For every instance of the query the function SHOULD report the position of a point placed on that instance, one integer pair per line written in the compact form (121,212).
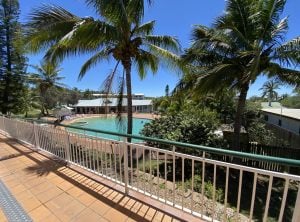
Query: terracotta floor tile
(26,194)
(34,182)
(51,218)
(114,215)
(146,212)
(30,203)
(59,203)
(65,185)
(56,180)
(2,216)
(49,194)
(149,214)
(75,191)
(158,216)
(41,188)
(49,191)
(100,207)
(136,207)
(18,189)
(88,215)
(70,211)
(39,213)
(86,199)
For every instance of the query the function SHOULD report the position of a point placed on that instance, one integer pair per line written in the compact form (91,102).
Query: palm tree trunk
(127,67)
(238,117)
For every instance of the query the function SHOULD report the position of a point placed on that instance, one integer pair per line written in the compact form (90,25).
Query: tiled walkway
(51,191)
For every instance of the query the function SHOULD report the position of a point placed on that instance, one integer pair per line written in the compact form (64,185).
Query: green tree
(118,33)
(29,101)
(269,90)
(47,77)
(12,65)
(245,42)
(190,125)
(167,91)
(87,94)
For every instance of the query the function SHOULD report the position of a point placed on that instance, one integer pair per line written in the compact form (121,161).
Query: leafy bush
(189,126)
(208,188)
(292,102)
(258,132)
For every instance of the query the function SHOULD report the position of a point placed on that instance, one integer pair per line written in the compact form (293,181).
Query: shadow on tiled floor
(51,191)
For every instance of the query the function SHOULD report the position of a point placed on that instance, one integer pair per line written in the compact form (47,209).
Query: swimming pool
(108,124)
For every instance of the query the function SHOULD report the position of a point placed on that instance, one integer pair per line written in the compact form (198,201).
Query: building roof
(111,102)
(290,113)
(274,105)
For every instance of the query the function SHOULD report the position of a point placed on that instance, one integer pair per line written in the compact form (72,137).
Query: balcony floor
(49,190)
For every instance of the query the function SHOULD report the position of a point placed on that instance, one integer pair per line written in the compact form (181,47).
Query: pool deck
(50,190)
(78,117)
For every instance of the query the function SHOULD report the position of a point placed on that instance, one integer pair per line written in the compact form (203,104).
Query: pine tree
(13,61)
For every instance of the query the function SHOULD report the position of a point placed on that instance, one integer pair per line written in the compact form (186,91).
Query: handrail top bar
(220,151)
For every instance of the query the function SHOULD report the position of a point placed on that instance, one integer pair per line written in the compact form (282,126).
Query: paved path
(51,191)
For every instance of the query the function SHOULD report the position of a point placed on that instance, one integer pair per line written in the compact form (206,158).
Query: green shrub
(189,126)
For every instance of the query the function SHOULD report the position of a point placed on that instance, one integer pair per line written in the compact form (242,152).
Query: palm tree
(269,89)
(245,42)
(30,101)
(47,77)
(118,33)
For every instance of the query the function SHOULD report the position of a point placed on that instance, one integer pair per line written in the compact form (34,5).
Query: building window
(266,117)
(279,122)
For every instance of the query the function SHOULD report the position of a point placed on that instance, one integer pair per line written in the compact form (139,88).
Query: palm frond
(166,42)
(166,58)
(48,24)
(283,75)
(143,29)
(145,60)
(87,37)
(288,53)
(135,10)
(103,54)
(113,11)
(267,17)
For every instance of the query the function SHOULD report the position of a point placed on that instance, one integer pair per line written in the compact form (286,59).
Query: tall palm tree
(269,89)
(245,42)
(118,33)
(46,77)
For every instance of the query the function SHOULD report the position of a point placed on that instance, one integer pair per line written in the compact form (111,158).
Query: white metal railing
(209,189)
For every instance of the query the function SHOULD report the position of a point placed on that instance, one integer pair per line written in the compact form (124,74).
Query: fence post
(125,165)
(68,149)
(296,214)
(3,126)
(36,137)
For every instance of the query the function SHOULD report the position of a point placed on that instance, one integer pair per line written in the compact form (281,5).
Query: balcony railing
(198,184)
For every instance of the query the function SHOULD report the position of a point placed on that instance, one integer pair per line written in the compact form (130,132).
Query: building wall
(101,110)
(288,131)
(289,124)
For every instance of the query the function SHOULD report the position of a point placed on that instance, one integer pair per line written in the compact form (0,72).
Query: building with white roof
(285,118)
(108,105)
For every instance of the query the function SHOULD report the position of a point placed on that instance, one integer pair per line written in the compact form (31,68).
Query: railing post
(125,165)
(36,136)
(68,147)
(296,214)
(3,126)
(174,175)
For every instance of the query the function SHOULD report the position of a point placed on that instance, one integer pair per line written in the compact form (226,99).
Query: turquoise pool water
(109,124)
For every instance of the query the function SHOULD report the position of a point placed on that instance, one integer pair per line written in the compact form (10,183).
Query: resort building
(110,105)
(285,123)
(138,96)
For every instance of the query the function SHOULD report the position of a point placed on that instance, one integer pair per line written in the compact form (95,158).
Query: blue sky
(173,17)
